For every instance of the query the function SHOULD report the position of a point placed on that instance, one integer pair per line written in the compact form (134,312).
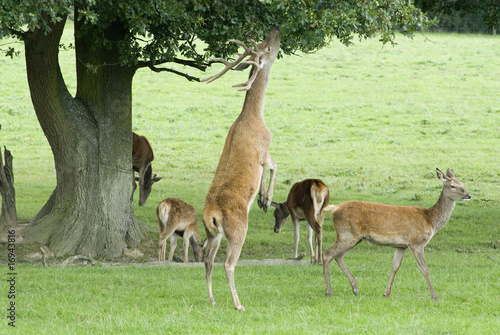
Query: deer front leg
(185,240)
(265,197)
(418,252)
(134,186)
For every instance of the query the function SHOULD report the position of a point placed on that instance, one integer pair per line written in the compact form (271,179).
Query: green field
(373,122)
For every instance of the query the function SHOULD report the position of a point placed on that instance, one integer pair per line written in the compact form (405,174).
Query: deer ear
(274,204)
(440,175)
(156,179)
(450,174)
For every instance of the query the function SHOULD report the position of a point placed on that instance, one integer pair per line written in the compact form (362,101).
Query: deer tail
(329,208)
(318,197)
(212,219)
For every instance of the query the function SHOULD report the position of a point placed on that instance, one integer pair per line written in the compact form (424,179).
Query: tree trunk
(89,212)
(8,217)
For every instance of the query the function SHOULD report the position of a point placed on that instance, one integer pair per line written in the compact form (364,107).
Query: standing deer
(142,156)
(242,164)
(305,201)
(400,227)
(177,218)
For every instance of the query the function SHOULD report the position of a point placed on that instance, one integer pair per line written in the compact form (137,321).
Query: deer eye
(453,186)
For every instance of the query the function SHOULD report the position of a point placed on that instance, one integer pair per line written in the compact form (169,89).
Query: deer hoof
(355,291)
(240,308)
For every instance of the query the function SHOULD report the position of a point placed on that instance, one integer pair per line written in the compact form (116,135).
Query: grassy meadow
(373,122)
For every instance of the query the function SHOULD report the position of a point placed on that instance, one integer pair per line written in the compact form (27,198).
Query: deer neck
(440,213)
(254,99)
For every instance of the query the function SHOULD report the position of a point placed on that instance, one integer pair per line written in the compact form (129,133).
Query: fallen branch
(79,257)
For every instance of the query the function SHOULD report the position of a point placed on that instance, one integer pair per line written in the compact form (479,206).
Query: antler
(229,65)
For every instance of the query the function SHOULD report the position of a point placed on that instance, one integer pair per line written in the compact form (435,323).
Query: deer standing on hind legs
(242,165)
(305,201)
(400,227)
(142,156)
(177,218)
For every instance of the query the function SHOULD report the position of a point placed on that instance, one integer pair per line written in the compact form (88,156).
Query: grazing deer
(400,227)
(177,218)
(142,156)
(305,201)
(242,165)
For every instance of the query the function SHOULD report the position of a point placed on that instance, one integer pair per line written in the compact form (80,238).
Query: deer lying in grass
(177,218)
(305,201)
(400,227)
(142,156)
(242,165)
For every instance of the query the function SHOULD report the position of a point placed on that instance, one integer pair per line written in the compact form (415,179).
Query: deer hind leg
(337,252)
(166,232)
(319,245)
(396,263)
(213,244)
(173,245)
(314,226)
(296,227)
(233,254)
(309,242)
(418,252)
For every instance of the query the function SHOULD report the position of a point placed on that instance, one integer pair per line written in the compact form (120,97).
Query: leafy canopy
(158,31)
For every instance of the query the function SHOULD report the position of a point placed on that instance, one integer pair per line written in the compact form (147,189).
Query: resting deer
(142,156)
(177,218)
(242,165)
(305,201)
(400,227)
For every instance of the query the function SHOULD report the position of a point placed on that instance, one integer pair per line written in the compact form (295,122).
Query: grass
(373,122)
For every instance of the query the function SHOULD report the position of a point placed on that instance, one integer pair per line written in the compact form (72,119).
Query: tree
(89,211)
(489,10)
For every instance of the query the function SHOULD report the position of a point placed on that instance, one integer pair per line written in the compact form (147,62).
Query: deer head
(261,56)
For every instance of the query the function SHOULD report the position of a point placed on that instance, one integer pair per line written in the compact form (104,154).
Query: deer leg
(173,245)
(233,253)
(185,240)
(319,245)
(396,263)
(213,244)
(418,252)
(164,234)
(296,226)
(142,172)
(309,242)
(314,226)
(354,283)
(337,252)
(134,186)
(265,197)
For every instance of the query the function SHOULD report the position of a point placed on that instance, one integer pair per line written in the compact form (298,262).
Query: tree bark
(89,212)
(8,217)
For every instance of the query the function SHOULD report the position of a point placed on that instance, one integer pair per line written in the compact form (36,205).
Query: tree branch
(163,69)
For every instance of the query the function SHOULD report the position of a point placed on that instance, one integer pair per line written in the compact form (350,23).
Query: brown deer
(142,156)
(400,227)
(242,165)
(177,218)
(305,201)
